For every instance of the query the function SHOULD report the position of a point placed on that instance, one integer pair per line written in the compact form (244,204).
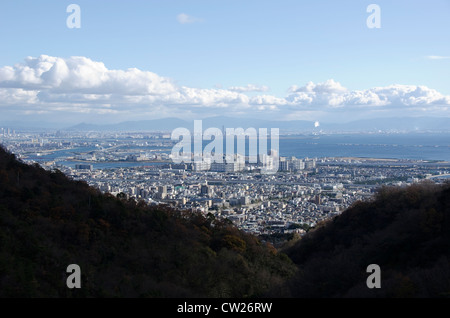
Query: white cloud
(411,95)
(328,87)
(79,85)
(268,100)
(184,18)
(16,96)
(331,94)
(81,75)
(47,80)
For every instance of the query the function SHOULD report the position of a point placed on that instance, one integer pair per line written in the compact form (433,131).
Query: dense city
(303,192)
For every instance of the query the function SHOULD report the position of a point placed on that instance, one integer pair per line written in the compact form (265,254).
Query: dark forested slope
(124,248)
(406,231)
(128,249)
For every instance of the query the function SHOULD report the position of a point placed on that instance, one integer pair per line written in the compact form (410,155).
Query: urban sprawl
(303,192)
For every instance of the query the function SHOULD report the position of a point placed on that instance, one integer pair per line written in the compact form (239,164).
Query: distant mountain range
(383,124)
(168,124)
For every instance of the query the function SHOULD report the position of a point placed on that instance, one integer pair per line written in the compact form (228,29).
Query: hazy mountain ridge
(406,124)
(384,124)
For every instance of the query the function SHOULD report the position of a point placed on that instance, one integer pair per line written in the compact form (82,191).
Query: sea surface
(418,146)
(392,146)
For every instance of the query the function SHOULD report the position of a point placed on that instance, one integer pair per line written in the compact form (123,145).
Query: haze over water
(414,146)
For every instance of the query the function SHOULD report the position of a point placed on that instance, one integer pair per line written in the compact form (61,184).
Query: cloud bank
(53,85)
(331,94)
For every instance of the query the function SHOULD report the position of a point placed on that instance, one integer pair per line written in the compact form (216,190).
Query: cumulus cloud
(267,102)
(328,87)
(47,80)
(81,75)
(331,94)
(16,96)
(411,95)
(81,85)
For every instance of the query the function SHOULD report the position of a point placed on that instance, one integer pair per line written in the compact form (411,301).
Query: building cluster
(256,202)
(303,192)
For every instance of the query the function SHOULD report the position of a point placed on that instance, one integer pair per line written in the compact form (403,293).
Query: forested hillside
(124,248)
(129,249)
(406,231)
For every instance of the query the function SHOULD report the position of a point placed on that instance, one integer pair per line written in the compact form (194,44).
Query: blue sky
(226,51)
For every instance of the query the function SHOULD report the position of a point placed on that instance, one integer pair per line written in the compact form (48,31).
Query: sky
(190,59)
